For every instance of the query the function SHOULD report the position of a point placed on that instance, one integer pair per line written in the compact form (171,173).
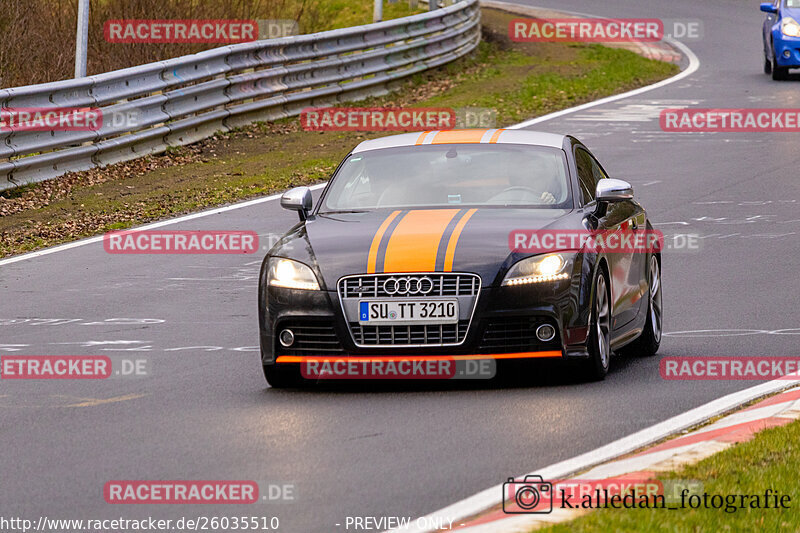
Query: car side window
(597,171)
(589,174)
(586,176)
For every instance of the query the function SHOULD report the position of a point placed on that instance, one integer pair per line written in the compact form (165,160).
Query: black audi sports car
(407,253)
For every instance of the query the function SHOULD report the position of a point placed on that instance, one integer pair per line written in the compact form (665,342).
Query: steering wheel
(499,196)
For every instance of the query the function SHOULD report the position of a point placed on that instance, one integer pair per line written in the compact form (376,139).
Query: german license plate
(407,312)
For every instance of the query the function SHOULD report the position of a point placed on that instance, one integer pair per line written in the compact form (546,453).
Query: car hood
(425,240)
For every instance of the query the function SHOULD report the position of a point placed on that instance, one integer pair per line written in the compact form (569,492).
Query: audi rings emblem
(408,286)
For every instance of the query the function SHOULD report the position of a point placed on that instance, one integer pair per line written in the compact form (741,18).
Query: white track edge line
(491,497)
(694,64)
(168,222)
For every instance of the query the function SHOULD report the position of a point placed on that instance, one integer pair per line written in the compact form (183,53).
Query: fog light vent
(545,332)
(286,338)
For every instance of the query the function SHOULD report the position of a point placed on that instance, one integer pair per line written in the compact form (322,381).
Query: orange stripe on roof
(421,137)
(396,358)
(451,245)
(496,135)
(415,240)
(372,259)
(459,137)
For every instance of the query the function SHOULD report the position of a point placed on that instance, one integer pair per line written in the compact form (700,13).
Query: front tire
(599,361)
(283,376)
(767,66)
(778,73)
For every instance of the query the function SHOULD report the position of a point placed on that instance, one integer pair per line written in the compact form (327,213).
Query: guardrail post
(433,5)
(82,38)
(377,13)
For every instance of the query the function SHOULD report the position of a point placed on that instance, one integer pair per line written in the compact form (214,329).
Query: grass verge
(518,80)
(334,14)
(768,461)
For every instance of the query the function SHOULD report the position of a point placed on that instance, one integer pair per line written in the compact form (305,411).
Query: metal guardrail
(147,108)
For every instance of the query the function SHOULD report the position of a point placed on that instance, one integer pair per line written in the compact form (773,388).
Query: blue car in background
(781,35)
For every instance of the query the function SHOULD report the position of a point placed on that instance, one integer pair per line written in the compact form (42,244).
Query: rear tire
(596,367)
(283,376)
(648,342)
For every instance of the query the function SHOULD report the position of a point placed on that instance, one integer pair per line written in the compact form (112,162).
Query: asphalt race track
(207,413)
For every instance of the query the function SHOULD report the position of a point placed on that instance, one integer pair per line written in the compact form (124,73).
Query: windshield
(451,174)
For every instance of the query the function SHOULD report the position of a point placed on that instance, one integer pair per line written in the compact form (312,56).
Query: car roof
(477,136)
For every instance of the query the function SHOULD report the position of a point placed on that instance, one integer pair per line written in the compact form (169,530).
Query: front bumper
(502,326)
(783,44)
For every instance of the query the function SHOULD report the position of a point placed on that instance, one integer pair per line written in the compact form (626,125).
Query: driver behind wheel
(535,183)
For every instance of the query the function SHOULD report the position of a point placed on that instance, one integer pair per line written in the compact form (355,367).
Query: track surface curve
(206,412)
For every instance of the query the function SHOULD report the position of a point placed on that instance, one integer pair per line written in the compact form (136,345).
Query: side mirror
(298,199)
(767,7)
(611,190)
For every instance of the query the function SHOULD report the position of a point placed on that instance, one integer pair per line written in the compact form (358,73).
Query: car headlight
(539,269)
(291,275)
(790,27)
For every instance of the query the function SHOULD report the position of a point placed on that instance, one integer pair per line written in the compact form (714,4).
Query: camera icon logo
(532,495)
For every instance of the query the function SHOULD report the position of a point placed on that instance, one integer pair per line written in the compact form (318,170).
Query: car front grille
(421,335)
(311,337)
(463,286)
(372,285)
(516,334)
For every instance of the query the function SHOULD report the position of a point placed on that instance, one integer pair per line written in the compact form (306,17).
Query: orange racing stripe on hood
(415,240)
(451,245)
(372,259)
(495,136)
(459,137)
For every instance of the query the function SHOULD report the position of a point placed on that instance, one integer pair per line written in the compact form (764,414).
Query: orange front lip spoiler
(395,358)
